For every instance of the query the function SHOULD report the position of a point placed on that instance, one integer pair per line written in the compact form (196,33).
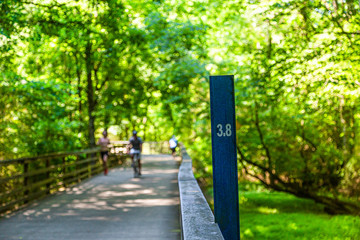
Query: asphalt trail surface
(111,207)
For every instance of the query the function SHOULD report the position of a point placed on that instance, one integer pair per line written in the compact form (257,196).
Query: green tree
(296,95)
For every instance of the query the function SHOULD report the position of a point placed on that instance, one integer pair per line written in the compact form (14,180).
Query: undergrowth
(267,214)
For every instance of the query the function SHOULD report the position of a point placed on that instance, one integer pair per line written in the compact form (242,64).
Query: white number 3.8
(221,132)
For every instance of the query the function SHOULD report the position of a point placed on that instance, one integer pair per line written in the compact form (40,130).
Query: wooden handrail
(29,178)
(49,155)
(196,217)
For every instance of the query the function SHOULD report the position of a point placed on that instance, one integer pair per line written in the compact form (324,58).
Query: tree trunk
(90,96)
(78,74)
(333,205)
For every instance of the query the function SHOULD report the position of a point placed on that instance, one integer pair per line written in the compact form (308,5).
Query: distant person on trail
(103,143)
(173,144)
(136,148)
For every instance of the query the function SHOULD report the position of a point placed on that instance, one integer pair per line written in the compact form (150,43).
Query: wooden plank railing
(25,179)
(196,217)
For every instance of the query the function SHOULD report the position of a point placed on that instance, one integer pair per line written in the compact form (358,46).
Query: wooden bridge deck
(116,206)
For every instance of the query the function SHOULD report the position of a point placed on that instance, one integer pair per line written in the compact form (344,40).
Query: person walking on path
(136,148)
(104,150)
(173,142)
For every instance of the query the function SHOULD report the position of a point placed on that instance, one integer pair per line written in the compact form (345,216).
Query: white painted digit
(228,130)
(220,131)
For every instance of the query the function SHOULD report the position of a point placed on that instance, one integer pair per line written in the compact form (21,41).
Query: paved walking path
(116,206)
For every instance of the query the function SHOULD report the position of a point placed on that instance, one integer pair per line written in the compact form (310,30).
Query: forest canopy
(70,69)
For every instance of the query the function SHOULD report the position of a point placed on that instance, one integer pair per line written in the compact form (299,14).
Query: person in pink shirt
(104,150)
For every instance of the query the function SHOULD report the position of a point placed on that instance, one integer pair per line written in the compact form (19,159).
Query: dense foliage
(72,68)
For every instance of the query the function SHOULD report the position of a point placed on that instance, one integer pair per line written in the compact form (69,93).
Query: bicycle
(135,164)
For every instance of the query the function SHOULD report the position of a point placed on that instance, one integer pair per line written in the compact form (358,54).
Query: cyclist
(104,142)
(136,148)
(173,144)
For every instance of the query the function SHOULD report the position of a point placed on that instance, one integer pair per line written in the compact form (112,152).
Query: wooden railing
(25,179)
(196,217)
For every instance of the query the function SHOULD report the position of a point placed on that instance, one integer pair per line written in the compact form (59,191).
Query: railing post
(64,171)
(76,168)
(109,159)
(26,181)
(47,176)
(89,164)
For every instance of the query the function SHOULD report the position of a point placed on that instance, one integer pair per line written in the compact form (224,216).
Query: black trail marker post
(223,136)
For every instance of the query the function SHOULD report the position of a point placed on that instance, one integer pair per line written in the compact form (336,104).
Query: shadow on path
(116,206)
